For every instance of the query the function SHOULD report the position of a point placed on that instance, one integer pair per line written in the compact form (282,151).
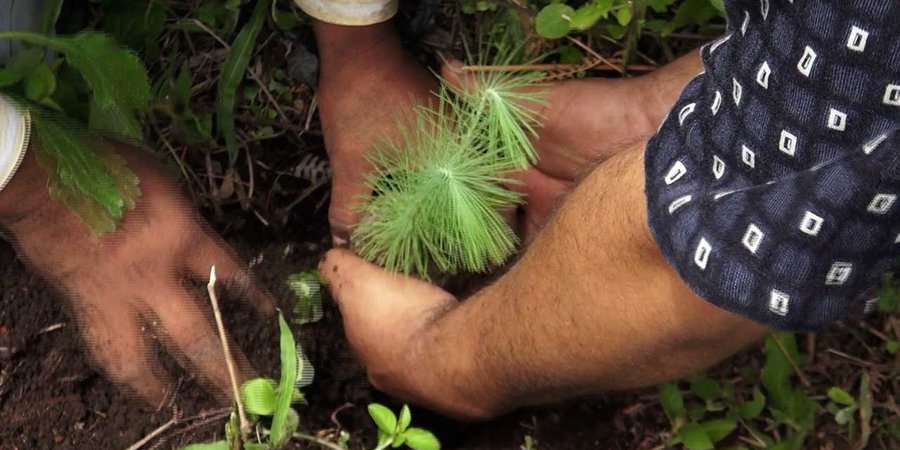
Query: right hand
(585,122)
(126,288)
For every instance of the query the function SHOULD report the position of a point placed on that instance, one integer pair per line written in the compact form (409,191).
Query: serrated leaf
(694,437)
(420,439)
(405,419)
(719,429)
(258,396)
(841,397)
(553,22)
(282,427)
(218,445)
(384,418)
(233,72)
(116,75)
(84,171)
(671,400)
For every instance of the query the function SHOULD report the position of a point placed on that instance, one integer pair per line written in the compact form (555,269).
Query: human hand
(584,122)
(126,287)
(367,83)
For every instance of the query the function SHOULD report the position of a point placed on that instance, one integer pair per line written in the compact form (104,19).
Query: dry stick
(154,433)
(595,54)
(229,360)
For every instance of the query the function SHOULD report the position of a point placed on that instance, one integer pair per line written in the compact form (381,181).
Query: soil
(52,397)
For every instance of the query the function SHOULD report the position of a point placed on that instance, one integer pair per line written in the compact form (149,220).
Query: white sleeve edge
(350,12)
(15,133)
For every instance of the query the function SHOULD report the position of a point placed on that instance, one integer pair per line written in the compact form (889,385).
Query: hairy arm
(590,307)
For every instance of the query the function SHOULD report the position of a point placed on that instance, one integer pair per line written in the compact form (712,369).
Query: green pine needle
(436,201)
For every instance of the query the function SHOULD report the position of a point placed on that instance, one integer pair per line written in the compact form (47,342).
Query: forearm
(590,307)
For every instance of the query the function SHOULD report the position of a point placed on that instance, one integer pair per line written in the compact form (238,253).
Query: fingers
(189,336)
(381,310)
(211,251)
(118,344)
(348,190)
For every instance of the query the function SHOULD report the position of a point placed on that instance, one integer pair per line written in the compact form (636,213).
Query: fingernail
(456,66)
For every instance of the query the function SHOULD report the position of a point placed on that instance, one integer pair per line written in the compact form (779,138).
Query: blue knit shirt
(772,185)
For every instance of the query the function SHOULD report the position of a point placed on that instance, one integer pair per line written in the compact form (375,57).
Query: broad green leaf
(719,5)
(282,428)
(218,445)
(137,24)
(777,371)
(20,65)
(40,83)
(694,437)
(671,400)
(258,396)
(660,6)
(85,173)
(233,72)
(307,287)
(719,429)
(587,16)
(706,388)
(624,15)
(753,408)
(892,347)
(420,439)
(553,22)
(116,76)
(384,418)
(405,419)
(841,397)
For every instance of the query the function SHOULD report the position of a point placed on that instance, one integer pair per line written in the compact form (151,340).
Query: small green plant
(714,411)
(438,189)
(395,432)
(266,398)
(307,287)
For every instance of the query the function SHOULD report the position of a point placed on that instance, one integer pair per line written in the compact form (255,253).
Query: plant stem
(229,359)
(317,440)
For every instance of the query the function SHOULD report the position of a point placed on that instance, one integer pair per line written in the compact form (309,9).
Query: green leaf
(624,15)
(553,22)
(384,418)
(892,347)
(50,15)
(777,371)
(20,65)
(706,388)
(258,396)
(420,439)
(841,397)
(845,415)
(282,427)
(233,72)
(307,287)
(694,437)
(719,429)
(218,445)
(753,408)
(305,370)
(719,5)
(671,400)
(405,419)
(137,24)
(587,16)
(85,173)
(116,76)
(40,83)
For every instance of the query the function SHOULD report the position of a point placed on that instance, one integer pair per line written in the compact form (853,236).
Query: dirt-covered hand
(368,82)
(127,288)
(584,122)
(387,319)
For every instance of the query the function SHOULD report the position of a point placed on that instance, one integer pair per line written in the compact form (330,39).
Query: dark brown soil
(51,397)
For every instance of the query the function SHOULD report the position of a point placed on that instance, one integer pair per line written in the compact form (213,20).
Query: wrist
(25,192)
(341,45)
(667,84)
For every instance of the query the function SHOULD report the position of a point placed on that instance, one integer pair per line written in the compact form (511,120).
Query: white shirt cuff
(15,131)
(350,12)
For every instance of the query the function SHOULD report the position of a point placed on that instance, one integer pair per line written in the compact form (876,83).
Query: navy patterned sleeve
(772,185)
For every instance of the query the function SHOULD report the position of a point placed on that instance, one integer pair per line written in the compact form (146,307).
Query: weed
(395,432)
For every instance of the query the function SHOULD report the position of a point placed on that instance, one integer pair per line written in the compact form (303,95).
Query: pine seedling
(436,198)
(505,106)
